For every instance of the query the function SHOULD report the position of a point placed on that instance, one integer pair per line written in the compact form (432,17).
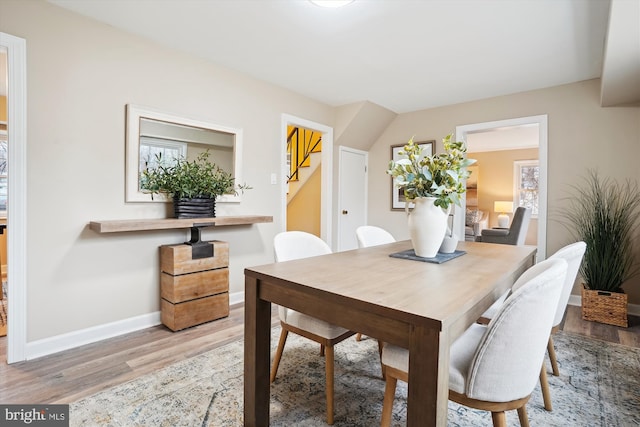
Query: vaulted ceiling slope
(404,55)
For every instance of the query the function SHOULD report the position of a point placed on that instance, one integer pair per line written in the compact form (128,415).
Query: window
(526,178)
(150,148)
(169,150)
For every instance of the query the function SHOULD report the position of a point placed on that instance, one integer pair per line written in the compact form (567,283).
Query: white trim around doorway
(327,172)
(16,197)
(541,121)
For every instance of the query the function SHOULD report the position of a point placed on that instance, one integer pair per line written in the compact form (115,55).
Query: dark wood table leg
(257,336)
(428,392)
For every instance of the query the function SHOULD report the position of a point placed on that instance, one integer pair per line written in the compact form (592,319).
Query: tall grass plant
(605,215)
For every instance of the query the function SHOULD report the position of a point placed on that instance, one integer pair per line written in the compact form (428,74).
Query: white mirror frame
(132,142)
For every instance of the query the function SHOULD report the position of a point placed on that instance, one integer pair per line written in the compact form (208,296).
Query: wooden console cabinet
(193,291)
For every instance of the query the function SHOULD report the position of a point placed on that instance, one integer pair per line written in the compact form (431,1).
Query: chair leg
(387,403)
(552,357)
(380,345)
(522,416)
(329,382)
(499,419)
(276,359)
(358,336)
(544,386)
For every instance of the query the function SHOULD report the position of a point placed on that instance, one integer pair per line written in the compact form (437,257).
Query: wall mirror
(151,131)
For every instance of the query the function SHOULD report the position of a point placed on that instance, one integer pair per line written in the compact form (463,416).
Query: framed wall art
(398,201)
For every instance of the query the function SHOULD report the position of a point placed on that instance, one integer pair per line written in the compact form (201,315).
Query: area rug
(599,385)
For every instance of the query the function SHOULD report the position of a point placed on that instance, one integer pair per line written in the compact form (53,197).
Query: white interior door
(352,198)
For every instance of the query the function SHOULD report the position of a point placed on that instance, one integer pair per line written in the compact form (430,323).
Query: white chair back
(370,235)
(573,254)
(506,364)
(290,245)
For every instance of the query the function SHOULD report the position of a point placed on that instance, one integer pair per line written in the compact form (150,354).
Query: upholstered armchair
(475,221)
(514,235)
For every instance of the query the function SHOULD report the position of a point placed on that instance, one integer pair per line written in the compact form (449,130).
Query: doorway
(325,171)
(462,133)
(16,61)
(304,176)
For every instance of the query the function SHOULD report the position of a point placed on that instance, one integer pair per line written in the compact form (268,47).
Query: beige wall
(495,182)
(581,135)
(80,76)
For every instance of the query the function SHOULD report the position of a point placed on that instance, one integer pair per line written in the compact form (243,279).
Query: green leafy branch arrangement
(182,178)
(441,176)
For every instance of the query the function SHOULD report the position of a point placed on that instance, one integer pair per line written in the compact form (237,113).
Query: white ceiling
(404,55)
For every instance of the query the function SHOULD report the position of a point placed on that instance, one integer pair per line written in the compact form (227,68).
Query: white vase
(449,244)
(427,226)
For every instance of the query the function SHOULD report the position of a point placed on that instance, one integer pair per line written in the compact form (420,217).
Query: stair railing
(299,148)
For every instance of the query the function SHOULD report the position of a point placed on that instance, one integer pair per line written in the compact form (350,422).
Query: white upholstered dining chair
(370,235)
(495,367)
(572,254)
(290,245)
(514,235)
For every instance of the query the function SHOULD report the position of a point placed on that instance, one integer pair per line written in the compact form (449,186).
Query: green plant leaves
(189,179)
(605,214)
(441,176)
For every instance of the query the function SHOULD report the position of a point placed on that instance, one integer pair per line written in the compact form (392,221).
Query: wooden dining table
(417,305)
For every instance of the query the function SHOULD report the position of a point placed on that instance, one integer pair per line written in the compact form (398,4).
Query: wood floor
(70,375)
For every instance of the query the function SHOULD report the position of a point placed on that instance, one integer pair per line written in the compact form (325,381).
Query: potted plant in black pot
(193,185)
(605,215)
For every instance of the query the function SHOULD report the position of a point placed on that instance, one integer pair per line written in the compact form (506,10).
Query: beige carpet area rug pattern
(599,385)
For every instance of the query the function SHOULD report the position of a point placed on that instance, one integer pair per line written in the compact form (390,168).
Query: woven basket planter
(604,307)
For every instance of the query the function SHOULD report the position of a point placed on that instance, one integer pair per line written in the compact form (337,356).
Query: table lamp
(503,208)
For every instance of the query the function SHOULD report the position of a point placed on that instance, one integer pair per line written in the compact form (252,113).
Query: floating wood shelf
(123,225)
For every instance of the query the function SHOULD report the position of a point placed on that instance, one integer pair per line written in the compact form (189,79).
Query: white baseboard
(74,339)
(236,298)
(90,335)
(632,309)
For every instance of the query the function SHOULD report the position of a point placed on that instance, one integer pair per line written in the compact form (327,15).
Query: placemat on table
(438,259)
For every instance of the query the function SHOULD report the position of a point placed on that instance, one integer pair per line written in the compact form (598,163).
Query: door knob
(344,212)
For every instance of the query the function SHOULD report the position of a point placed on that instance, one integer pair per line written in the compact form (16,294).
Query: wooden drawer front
(185,287)
(195,312)
(176,259)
